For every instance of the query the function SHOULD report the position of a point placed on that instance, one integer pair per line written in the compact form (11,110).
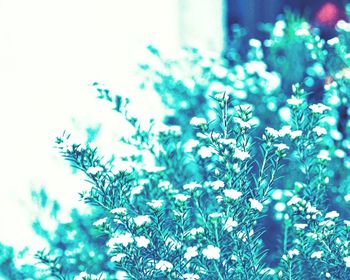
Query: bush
(246,178)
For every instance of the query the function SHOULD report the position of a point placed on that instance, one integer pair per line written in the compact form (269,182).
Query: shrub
(246,177)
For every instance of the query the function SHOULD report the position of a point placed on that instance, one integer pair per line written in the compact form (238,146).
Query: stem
(200,211)
(285,237)
(329,250)
(262,170)
(216,234)
(224,112)
(290,270)
(272,178)
(218,271)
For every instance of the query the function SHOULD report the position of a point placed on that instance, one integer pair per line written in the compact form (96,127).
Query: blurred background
(251,13)
(52,51)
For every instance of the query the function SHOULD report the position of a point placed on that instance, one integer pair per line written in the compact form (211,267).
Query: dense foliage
(247,177)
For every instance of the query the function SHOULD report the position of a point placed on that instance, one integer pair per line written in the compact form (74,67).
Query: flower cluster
(244,156)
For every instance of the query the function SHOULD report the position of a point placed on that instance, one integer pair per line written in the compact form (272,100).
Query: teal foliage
(246,178)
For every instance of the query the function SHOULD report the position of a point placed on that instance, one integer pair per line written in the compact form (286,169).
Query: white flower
(154,169)
(118,238)
(347,261)
(202,135)
(182,197)
(191,186)
(178,213)
(155,203)
(242,155)
(300,226)
(339,153)
(93,170)
(141,220)
(198,121)
(311,209)
(142,241)
(302,32)
(191,252)
(173,243)
(100,222)
(273,82)
(242,123)
(242,235)
(221,96)
(164,266)
(267,271)
(312,235)
(166,185)
(294,101)
(205,152)
(332,215)
(227,141)
(244,107)
(323,155)
(166,129)
(333,41)
(286,129)
(190,276)
(319,108)
(347,223)
(292,253)
(255,66)
(255,204)
(343,25)
(295,134)
(319,130)
(234,258)
(137,190)
(175,129)
(118,257)
(217,184)
(119,211)
(215,136)
(211,252)
(273,132)
(285,114)
(317,255)
(233,194)
(294,200)
(217,87)
(230,224)
(190,145)
(81,276)
(196,231)
(255,43)
(281,147)
(239,93)
(327,223)
(219,71)
(277,194)
(215,215)
(347,197)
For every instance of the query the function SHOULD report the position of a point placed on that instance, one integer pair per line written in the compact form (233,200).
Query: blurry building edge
(207,24)
(202,24)
(250,13)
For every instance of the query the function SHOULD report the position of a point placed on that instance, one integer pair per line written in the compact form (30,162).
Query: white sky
(50,50)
